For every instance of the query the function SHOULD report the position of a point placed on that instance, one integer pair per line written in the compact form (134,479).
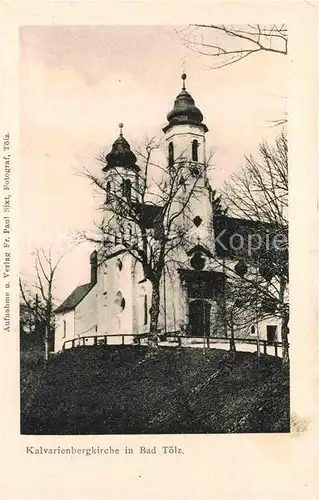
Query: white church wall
(115,296)
(101,295)
(262,328)
(125,287)
(174,310)
(64,329)
(245,326)
(85,318)
(182,137)
(143,298)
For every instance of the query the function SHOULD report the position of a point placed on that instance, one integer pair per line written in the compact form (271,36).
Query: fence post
(276,349)
(265,347)
(95,340)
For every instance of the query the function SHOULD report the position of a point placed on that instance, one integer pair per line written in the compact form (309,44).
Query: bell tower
(121,187)
(186,151)
(185,132)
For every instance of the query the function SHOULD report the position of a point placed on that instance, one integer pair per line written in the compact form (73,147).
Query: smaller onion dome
(184,110)
(121,154)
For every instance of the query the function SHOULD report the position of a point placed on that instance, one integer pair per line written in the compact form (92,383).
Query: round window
(198,261)
(195,172)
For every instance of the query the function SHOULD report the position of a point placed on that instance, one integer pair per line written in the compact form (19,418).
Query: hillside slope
(130,390)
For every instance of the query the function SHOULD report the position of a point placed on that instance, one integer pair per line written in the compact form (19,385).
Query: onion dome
(184,111)
(121,154)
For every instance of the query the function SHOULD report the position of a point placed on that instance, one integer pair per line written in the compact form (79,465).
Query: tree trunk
(232,345)
(284,340)
(284,325)
(154,313)
(46,344)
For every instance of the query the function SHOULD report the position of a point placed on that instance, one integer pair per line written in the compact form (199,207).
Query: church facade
(193,288)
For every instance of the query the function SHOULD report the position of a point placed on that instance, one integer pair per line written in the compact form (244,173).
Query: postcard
(159,249)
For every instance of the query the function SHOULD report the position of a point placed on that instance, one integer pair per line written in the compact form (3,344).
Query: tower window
(119,264)
(120,301)
(108,191)
(195,150)
(170,154)
(127,189)
(64,328)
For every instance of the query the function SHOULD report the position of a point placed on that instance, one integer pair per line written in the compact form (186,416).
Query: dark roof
(234,238)
(151,215)
(121,155)
(228,231)
(75,298)
(184,111)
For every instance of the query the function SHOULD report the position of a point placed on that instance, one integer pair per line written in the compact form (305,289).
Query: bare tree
(37,300)
(152,220)
(259,193)
(228,44)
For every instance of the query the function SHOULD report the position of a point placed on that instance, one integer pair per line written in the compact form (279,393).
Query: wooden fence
(175,339)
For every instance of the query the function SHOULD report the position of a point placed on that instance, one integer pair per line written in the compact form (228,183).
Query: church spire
(184,111)
(184,76)
(121,154)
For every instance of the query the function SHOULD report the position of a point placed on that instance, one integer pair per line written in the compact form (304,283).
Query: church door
(199,318)
(271,333)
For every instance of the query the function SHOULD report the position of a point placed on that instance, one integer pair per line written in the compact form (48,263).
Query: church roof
(75,298)
(184,110)
(228,231)
(120,154)
(151,215)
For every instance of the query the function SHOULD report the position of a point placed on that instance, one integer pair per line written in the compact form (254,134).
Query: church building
(193,289)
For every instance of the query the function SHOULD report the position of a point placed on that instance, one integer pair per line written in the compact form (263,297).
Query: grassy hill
(130,390)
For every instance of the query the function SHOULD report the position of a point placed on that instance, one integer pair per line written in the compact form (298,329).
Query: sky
(77,83)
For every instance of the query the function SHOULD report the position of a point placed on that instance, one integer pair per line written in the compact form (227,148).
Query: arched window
(195,150)
(108,191)
(127,189)
(120,301)
(145,310)
(170,154)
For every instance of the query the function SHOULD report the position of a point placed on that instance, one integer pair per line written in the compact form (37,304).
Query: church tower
(186,151)
(115,287)
(196,287)
(121,185)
